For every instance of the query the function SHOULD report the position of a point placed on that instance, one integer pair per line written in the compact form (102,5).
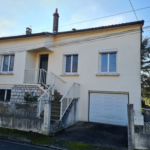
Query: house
(103,61)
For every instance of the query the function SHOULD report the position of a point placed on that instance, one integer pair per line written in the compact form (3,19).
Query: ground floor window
(5,94)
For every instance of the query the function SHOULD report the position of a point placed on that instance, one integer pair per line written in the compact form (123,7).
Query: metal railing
(38,76)
(49,79)
(46,96)
(72,93)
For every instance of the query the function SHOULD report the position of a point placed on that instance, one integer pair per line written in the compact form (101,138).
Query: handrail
(40,100)
(69,99)
(66,92)
(58,77)
(45,92)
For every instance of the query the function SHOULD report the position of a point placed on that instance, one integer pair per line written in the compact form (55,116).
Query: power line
(58,40)
(99,18)
(80,41)
(146,27)
(133,9)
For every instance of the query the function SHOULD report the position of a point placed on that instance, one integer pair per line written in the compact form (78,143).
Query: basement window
(5,94)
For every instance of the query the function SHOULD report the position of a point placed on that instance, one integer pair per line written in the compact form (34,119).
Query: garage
(108,108)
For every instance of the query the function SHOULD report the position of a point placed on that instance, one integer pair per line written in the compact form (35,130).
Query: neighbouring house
(98,66)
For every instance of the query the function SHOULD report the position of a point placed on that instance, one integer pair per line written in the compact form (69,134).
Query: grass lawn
(50,141)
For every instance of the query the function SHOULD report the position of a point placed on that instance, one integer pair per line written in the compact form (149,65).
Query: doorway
(44,62)
(43,65)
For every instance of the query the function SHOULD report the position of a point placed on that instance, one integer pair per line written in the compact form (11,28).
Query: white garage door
(108,108)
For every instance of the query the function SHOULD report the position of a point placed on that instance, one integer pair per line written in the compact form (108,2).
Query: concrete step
(55,117)
(55,120)
(57,113)
(57,99)
(55,102)
(58,96)
(55,105)
(56,93)
(55,109)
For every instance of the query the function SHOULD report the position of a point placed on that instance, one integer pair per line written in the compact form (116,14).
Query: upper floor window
(7,63)
(71,63)
(108,61)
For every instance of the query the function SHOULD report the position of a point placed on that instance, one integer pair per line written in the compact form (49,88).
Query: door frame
(40,60)
(105,92)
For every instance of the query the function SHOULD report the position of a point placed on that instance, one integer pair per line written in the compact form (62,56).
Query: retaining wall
(18,92)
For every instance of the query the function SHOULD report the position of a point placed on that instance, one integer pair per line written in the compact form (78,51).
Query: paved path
(97,134)
(4,145)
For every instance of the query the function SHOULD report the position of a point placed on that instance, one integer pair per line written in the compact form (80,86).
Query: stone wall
(18,92)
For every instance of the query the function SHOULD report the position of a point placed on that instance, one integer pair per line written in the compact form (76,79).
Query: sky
(16,15)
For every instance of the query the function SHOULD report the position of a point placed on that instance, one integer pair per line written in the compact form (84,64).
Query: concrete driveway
(109,136)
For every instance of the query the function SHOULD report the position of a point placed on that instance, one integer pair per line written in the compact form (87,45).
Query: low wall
(29,124)
(34,125)
(142,141)
(71,116)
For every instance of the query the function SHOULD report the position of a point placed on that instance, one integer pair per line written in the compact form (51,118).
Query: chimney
(55,21)
(28,31)
(73,29)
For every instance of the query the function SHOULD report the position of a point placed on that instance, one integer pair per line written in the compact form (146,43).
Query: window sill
(73,74)
(108,74)
(9,73)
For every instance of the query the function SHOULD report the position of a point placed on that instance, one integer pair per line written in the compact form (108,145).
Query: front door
(43,65)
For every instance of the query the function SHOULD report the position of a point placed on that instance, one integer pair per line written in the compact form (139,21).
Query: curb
(15,139)
(25,141)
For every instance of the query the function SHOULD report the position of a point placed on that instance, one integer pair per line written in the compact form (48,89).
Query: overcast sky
(16,15)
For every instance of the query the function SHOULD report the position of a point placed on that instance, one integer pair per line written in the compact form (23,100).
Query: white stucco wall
(31,60)
(128,65)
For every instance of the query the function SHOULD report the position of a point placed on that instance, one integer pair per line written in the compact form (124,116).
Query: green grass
(50,141)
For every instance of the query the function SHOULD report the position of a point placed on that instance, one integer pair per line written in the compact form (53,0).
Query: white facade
(124,41)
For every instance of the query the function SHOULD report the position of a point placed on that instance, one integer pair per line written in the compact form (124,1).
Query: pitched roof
(75,31)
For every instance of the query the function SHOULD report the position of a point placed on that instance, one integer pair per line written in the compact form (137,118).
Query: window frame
(64,64)
(100,60)
(5,95)
(8,63)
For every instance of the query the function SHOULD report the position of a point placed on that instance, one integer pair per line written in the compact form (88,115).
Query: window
(108,62)
(71,63)
(8,63)
(5,94)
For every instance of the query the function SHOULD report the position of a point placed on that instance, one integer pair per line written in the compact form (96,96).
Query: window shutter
(64,63)
(0,62)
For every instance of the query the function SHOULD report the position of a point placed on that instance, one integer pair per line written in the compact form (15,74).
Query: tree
(145,67)
(145,55)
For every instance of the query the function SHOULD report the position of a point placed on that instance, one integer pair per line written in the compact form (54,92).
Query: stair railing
(46,96)
(72,93)
(38,76)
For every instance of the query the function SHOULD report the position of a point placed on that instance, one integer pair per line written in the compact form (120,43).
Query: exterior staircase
(47,81)
(55,106)
(55,111)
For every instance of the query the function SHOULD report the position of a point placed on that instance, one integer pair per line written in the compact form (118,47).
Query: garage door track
(109,136)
